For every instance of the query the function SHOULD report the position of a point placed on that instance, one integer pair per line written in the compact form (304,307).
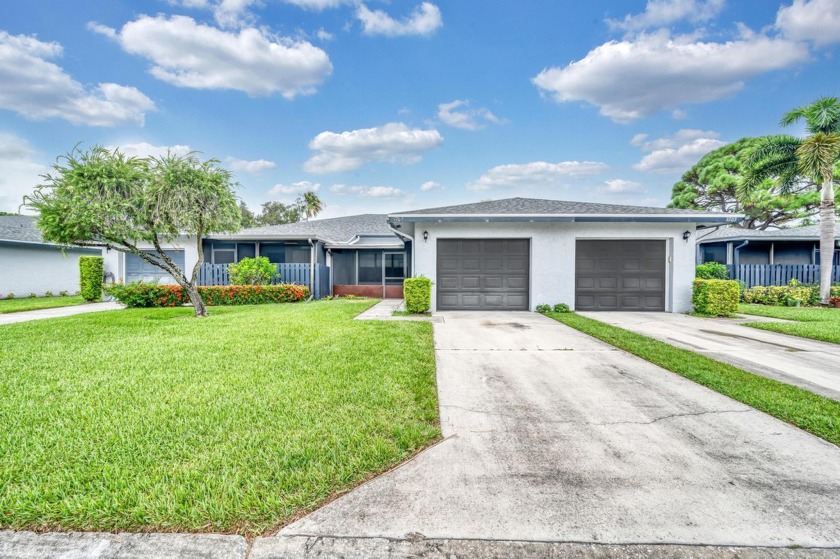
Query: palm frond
(823,115)
(774,157)
(817,156)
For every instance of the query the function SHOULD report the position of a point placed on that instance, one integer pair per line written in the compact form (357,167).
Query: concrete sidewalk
(25,316)
(809,364)
(385,309)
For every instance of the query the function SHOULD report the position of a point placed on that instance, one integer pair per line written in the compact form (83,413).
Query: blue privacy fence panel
(217,274)
(780,274)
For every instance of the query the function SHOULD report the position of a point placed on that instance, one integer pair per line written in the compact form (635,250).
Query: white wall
(38,269)
(115,260)
(553,253)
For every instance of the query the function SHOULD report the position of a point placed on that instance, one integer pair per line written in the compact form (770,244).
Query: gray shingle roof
(19,228)
(735,233)
(337,230)
(535,206)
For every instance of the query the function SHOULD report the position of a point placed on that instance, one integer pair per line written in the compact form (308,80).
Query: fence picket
(217,274)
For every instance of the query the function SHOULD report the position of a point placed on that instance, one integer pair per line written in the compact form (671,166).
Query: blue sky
(383,106)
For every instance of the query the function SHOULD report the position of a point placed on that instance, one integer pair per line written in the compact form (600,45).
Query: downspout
(413,247)
(736,255)
(311,270)
(330,267)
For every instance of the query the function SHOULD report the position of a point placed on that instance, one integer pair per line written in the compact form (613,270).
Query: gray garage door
(475,274)
(137,269)
(620,275)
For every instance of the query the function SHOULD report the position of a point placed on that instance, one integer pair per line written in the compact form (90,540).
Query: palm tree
(791,160)
(311,205)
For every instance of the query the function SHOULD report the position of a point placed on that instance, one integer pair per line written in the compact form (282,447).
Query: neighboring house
(517,253)
(365,256)
(735,246)
(30,265)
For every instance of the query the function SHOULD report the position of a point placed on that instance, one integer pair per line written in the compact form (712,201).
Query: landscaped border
(813,413)
(815,323)
(24,304)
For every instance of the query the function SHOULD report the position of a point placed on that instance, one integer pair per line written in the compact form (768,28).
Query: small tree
(252,271)
(101,198)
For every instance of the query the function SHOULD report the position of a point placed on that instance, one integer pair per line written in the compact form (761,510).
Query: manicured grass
(813,413)
(810,322)
(150,419)
(35,303)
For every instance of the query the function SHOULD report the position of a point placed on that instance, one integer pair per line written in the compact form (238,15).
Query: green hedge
(783,295)
(716,297)
(712,270)
(141,294)
(418,294)
(91,271)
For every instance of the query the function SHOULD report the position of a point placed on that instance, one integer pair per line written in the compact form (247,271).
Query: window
(224,253)
(245,250)
(370,268)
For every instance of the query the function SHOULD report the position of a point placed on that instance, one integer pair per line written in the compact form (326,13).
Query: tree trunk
(827,226)
(195,298)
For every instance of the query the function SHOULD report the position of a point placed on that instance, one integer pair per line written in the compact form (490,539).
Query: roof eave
(532,218)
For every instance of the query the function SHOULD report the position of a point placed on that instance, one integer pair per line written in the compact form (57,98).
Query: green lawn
(150,419)
(35,303)
(817,414)
(810,322)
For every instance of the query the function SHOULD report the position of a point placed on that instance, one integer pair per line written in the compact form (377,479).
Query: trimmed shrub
(561,308)
(91,269)
(141,294)
(791,295)
(32,296)
(418,294)
(252,271)
(715,297)
(48,294)
(10,295)
(711,270)
(543,309)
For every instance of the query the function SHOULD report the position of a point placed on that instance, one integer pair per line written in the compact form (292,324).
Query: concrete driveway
(810,364)
(552,436)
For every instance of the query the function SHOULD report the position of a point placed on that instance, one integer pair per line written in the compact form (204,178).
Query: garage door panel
(483,274)
(620,275)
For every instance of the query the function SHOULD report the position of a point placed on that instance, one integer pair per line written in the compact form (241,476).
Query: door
(620,275)
(483,274)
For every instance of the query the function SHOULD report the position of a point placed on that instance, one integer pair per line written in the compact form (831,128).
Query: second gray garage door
(620,275)
(490,274)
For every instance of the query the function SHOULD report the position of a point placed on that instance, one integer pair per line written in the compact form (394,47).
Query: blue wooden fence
(217,274)
(780,274)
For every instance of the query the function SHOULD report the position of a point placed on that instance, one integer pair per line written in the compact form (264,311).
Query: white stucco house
(30,265)
(517,253)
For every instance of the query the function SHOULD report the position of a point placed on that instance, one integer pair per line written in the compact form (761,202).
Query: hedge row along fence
(141,294)
(91,271)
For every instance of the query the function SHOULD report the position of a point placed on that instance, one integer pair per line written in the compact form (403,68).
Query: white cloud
(20,171)
(811,20)
(675,153)
(630,79)
(324,35)
(317,5)
(36,88)
(189,54)
(620,186)
(368,191)
(349,150)
(294,188)
(458,114)
(424,20)
(534,174)
(145,149)
(247,166)
(430,185)
(660,13)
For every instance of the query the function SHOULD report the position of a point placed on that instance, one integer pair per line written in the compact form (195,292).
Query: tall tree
(101,198)
(311,204)
(813,158)
(278,213)
(713,184)
(246,216)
